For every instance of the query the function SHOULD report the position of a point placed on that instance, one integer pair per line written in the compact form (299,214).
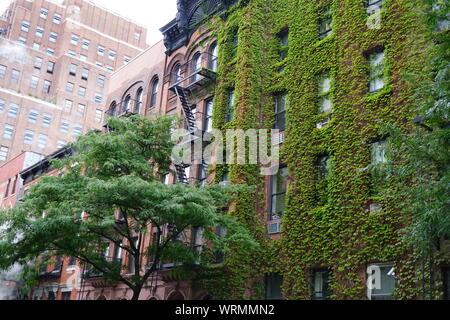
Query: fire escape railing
(189,78)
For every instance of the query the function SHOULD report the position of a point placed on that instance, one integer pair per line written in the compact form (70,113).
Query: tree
(110,192)
(420,160)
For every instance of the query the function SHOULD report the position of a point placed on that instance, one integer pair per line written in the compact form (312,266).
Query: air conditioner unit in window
(278,139)
(274,228)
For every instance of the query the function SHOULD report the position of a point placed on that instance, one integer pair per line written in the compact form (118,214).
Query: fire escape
(187,80)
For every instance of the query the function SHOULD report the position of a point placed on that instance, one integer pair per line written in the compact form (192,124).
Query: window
(51,51)
(13,110)
(325,103)
(83,57)
(321,284)
(28,138)
(323,166)
(74,39)
(57,18)
(81,109)
(230,107)
(101,81)
(61,144)
(381,282)
(98,115)
(203,171)
(196,66)
(374,6)
(25,26)
(42,142)
(53,37)
(376,73)
(154,95)
(39,32)
(126,59)
(208,115)
(47,120)
(2,71)
(283,39)
(131,258)
(379,152)
(280,112)
(65,296)
(139,100)
(78,130)
(33,116)
(109,68)
(213,57)
(69,87)
(3,153)
(22,40)
(50,67)
(85,74)
(325,23)
(137,36)
(127,104)
(273,287)
(72,53)
(82,92)
(73,69)
(43,13)
(34,82)
(278,194)
(85,44)
(112,55)
(98,64)
(98,98)
(8,132)
(235,43)
(101,51)
(176,74)
(68,106)
(64,126)
(15,75)
(2,105)
(36,46)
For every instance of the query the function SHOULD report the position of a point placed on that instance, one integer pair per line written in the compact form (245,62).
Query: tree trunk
(136,293)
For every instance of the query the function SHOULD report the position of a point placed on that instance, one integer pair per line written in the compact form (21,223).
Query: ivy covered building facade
(330,75)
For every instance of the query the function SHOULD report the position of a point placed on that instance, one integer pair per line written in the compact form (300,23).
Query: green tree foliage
(421,158)
(114,178)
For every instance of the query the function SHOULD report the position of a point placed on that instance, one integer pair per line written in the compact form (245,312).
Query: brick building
(55,59)
(312,71)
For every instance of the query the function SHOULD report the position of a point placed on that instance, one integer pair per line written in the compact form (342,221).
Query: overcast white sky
(152,14)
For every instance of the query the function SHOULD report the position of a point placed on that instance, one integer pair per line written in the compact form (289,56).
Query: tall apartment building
(55,58)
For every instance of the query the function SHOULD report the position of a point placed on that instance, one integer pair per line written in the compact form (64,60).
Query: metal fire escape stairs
(196,80)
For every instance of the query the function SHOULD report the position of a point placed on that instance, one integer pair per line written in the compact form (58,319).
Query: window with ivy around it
(279,183)
(280,111)
(273,285)
(323,166)
(230,107)
(374,6)
(321,289)
(325,23)
(283,42)
(377,78)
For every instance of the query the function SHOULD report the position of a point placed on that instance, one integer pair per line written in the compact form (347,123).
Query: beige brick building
(55,60)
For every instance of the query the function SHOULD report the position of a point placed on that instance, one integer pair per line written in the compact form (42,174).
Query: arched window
(154,94)
(213,57)
(139,100)
(127,104)
(113,109)
(176,73)
(196,66)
